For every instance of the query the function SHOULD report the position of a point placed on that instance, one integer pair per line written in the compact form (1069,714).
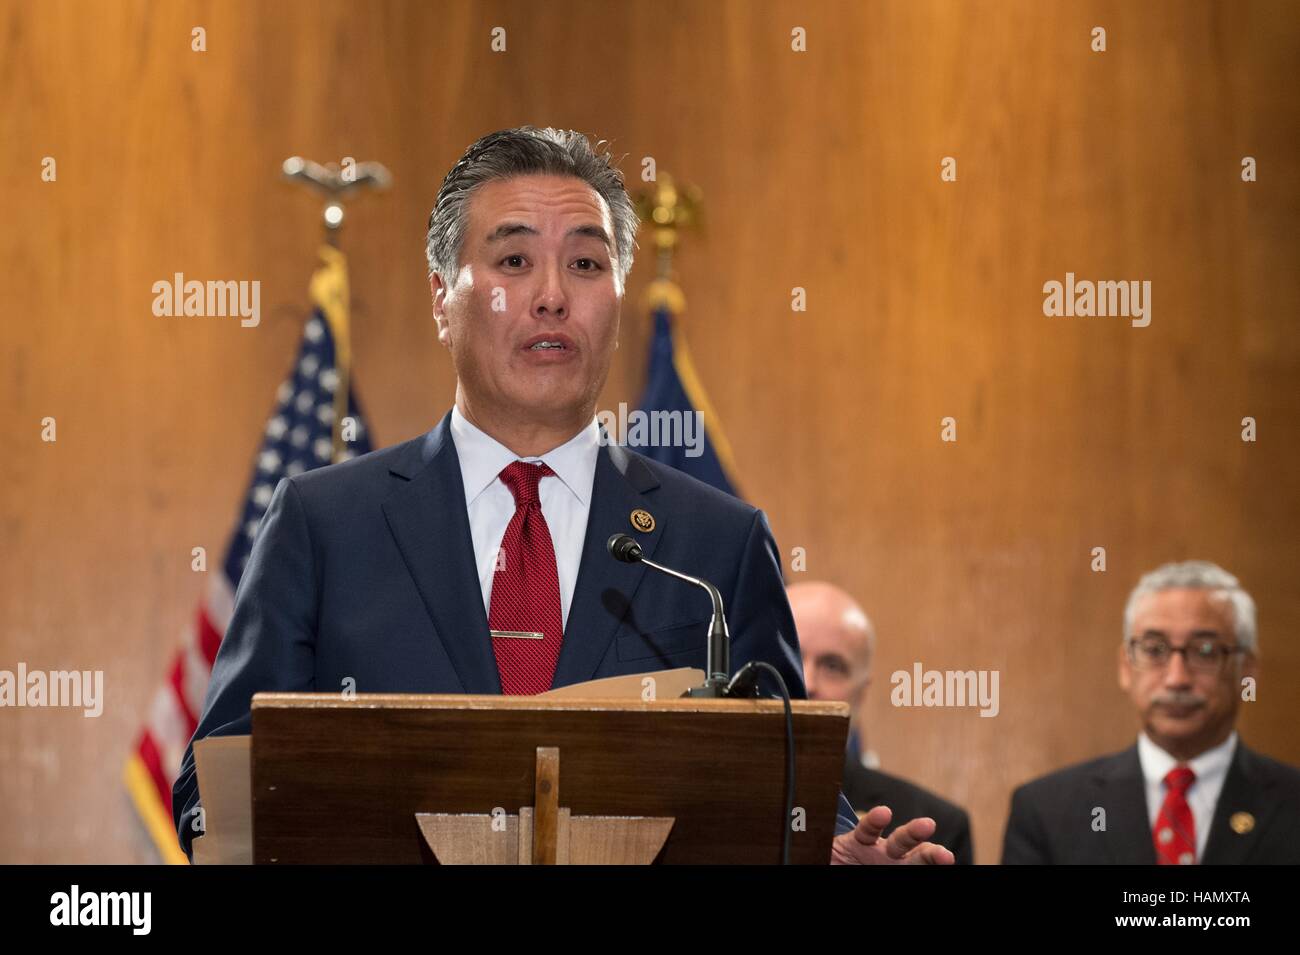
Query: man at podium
(472,559)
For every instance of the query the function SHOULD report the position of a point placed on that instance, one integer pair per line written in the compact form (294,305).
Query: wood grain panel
(820,170)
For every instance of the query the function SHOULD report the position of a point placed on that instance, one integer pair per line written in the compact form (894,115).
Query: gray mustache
(1179,699)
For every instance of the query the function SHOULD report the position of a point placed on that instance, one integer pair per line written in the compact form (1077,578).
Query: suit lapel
(1123,795)
(427,517)
(1244,791)
(605,587)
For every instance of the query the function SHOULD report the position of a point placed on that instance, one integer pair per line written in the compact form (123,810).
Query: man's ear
(1249,667)
(1125,669)
(438,291)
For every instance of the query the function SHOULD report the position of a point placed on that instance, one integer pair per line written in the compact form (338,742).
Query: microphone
(623,547)
(718,683)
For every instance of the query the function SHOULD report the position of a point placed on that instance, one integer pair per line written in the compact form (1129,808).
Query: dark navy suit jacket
(365,570)
(1051,817)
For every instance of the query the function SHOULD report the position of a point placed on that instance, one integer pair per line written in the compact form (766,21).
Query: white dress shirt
(565,499)
(1211,769)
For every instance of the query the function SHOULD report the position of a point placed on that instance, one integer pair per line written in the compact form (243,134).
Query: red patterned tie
(525,614)
(1175,832)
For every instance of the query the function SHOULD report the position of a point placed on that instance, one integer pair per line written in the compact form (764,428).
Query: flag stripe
(220,603)
(299,436)
(197,673)
(148,753)
(143,788)
(177,681)
(168,726)
(209,637)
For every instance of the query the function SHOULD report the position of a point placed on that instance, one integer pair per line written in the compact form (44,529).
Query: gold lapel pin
(643,521)
(1242,823)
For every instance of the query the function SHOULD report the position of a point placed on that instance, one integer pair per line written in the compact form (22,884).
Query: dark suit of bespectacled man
(387,569)
(1189,791)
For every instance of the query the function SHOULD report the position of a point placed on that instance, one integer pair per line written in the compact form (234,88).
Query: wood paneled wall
(820,171)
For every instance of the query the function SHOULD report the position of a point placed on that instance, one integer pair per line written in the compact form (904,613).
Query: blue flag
(673,387)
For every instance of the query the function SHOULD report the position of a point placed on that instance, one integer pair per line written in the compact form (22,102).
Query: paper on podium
(664,685)
(224,763)
(224,768)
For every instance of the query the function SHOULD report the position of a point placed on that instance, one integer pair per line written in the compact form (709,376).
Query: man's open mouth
(549,343)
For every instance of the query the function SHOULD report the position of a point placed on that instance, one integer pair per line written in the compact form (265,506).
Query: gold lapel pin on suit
(1242,823)
(642,520)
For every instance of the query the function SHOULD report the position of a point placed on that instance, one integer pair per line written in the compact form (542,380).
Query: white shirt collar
(483,457)
(1209,767)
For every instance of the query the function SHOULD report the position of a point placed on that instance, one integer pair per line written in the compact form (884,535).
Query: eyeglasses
(1201,654)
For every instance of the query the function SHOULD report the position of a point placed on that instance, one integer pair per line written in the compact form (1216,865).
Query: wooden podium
(396,778)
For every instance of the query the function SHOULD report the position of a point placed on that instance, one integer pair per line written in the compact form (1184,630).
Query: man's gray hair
(523,151)
(1199,575)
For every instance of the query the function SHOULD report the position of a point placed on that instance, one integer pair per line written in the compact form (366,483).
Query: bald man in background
(837,642)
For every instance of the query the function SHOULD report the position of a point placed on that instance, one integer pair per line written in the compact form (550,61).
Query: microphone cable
(745,683)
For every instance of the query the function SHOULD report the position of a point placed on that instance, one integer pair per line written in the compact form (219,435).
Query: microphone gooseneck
(719,682)
(623,547)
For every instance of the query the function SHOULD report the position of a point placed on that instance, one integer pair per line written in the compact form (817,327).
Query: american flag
(300,435)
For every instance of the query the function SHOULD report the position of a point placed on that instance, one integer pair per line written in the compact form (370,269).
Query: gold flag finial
(668,210)
(336,181)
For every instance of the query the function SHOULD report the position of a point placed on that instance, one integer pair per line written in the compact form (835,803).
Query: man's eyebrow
(1153,632)
(593,231)
(508,229)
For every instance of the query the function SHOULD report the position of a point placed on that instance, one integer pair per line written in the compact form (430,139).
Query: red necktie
(525,614)
(1175,832)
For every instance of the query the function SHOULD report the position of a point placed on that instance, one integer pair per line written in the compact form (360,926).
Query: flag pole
(671,209)
(329,284)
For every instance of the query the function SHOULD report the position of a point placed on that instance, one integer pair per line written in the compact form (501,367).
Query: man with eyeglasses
(1189,791)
